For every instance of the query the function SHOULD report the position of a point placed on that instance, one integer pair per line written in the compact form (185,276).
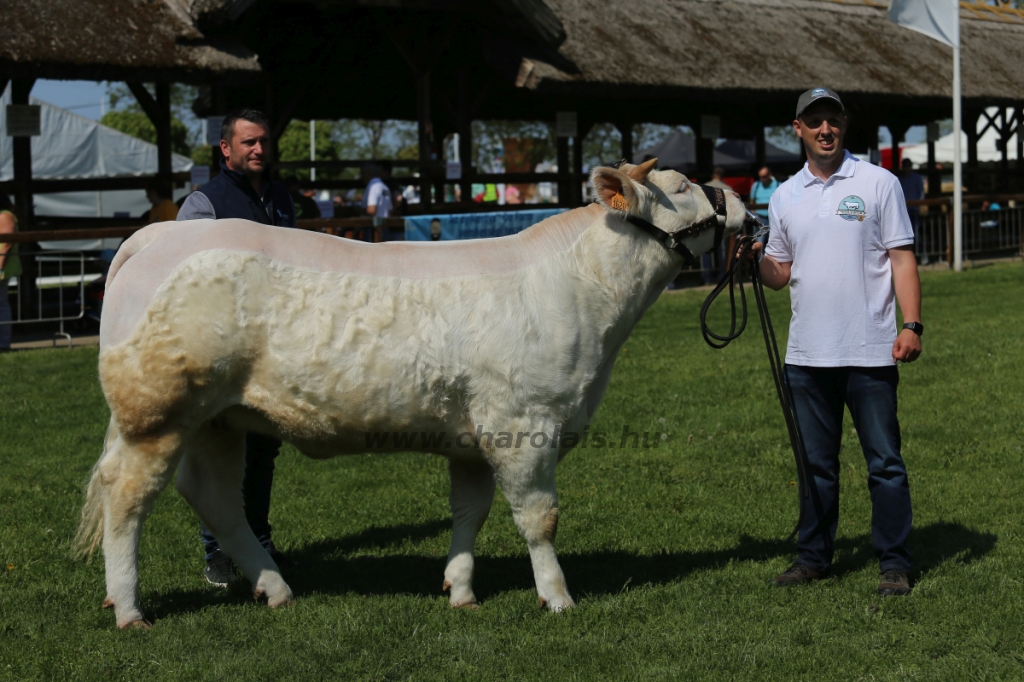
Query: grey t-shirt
(196,207)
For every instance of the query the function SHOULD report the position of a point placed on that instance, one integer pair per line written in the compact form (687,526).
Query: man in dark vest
(244,190)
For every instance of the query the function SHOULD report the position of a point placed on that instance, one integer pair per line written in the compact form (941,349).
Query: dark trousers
(260,452)
(819,396)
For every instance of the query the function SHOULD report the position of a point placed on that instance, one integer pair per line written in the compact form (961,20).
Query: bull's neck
(630,268)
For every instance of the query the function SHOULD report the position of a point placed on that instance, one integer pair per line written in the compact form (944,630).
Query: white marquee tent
(71,146)
(988,148)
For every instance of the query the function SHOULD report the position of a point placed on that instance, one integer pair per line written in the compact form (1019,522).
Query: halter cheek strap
(673,241)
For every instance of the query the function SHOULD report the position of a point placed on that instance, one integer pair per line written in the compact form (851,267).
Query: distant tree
(294,146)
(137,124)
(602,145)
(489,142)
(127,116)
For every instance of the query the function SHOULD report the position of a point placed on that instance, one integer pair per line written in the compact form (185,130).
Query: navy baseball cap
(815,94)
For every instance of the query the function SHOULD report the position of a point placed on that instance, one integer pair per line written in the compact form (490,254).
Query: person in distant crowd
(243,189)
(377,197)
(842,241)
(305,205)
(913,190)
(435,230)
(761,192)
(10,266)
(512,195)
(160,196)
(707,273)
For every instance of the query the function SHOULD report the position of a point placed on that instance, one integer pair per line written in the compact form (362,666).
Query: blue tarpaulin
(476,225)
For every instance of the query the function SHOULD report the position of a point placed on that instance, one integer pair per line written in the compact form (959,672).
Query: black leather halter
(673,241)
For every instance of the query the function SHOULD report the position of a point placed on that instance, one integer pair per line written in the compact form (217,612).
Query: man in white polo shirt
(841,239)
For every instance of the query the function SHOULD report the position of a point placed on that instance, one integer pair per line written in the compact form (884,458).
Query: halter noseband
(673,241)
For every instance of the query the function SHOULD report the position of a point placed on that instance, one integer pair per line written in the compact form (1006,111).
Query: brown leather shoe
(798,574)
(894,584)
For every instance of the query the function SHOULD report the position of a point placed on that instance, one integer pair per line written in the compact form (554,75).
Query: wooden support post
(163,133)
(564,173)
(705,154)
(934,175)
(158,111)
(626,132)
(970,126)
(898,132)
(426,131)
(760,147)
(22,149)
(465,126)
(577,162)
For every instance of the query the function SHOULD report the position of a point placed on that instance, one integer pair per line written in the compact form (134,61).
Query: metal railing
(56,275)
(986,234)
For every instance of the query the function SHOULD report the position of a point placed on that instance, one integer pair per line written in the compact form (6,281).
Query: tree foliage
(137,124)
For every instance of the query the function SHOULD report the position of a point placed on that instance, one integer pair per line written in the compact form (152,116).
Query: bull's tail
(90,528)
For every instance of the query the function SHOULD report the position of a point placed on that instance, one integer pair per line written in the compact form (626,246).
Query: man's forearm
(774,274)
(906,282)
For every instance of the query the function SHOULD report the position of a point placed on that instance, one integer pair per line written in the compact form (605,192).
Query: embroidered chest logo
(851,208)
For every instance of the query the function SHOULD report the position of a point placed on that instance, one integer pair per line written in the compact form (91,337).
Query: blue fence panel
(476,225)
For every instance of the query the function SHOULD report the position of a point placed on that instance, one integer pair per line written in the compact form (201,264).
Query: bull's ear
(640,173)
(614,189)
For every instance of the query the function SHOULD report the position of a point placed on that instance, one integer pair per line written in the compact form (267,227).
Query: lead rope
(717,341)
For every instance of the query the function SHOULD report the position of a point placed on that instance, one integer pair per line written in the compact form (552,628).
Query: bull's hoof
(558,604)
(141,624)
(108,603)
(283,601)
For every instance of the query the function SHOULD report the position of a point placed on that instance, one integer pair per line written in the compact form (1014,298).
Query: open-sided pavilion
(725,68)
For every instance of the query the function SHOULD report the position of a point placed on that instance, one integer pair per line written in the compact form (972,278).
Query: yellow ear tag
(619,202)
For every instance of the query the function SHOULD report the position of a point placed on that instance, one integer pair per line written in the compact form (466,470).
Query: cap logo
(819,92)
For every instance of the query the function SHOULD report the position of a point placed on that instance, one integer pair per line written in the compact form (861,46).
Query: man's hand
(753,252)
(907,346)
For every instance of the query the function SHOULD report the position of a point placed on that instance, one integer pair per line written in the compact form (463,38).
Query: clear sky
(81,97)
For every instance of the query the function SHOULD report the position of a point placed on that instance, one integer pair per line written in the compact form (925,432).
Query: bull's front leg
(472,493)
(527,477)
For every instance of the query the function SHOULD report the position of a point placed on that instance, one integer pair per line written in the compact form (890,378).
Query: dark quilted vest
(232,196)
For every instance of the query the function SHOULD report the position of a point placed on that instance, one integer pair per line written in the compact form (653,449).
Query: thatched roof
(119,40)
(722,48)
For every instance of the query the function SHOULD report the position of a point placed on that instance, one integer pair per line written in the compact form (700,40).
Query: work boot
(894,583)
(220,569)
(798,574)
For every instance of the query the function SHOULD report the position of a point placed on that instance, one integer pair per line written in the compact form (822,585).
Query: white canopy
(988,149)
(71,146)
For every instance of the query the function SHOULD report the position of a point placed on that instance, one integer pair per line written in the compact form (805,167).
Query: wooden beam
(626,133)
(22,152)
(163,132)
(147,102)
(91,184)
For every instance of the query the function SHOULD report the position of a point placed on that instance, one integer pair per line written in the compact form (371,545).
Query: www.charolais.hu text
(512,439)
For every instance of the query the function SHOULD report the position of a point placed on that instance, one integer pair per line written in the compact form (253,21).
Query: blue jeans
(819,396)
(260,452)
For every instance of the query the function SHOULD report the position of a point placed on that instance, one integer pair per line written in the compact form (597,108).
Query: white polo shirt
(837,235)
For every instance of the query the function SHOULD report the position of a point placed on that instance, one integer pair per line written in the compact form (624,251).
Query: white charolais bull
(214,328)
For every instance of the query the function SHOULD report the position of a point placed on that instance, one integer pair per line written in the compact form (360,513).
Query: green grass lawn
(668,551)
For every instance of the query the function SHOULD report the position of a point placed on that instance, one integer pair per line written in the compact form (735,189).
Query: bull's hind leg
(132,474)
(210,478)
(470,499)
(527,478)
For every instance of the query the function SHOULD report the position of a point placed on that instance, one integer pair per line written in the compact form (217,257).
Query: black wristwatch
(915,327)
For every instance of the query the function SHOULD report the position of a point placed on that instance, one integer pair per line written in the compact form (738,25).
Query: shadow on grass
(323,568)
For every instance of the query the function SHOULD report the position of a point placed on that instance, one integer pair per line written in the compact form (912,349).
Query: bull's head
(665,199)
